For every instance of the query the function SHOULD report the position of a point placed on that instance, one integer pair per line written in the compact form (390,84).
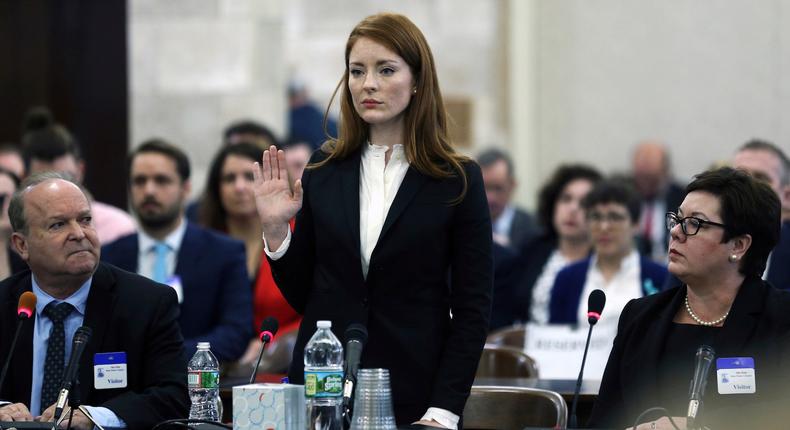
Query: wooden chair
(513,408)
(505,362)
(508,336)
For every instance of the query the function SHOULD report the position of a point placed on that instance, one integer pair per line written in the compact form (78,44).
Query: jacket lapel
(412,183)
(189,253)
(349,171)
(98,314)
(741,322)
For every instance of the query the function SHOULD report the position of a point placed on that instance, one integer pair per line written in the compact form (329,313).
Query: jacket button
(364,302)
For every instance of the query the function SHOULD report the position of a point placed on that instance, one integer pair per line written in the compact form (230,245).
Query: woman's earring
(733,258)
(414,90)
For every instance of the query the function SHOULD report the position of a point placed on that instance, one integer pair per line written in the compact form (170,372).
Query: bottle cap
(324,324)
(204,345)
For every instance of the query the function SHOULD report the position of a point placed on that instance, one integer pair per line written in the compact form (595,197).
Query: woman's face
(380,81)
(235,186)
(698,256)
(7,188)
(611,229)
(569,221)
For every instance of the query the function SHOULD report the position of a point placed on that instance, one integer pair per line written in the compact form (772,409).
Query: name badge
(109,370)
(175,282)
(736,375)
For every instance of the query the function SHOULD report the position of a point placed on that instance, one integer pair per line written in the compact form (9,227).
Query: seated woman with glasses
(612,210)
(720,239)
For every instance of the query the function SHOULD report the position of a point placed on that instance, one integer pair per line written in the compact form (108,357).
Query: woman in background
(228,205)
(612,211)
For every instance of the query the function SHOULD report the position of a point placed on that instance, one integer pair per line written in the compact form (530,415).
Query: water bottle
(203,384)
(323,379)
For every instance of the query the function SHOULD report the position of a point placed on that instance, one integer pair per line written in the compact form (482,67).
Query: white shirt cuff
(276,255)
(442,416)
(105,417)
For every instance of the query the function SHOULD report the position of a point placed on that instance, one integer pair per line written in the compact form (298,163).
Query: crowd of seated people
(615,233)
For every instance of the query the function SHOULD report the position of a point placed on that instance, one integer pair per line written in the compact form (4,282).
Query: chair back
(505,362)
(513,408)
(513,335)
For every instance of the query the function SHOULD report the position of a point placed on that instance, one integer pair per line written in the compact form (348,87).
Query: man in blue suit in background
(208,270)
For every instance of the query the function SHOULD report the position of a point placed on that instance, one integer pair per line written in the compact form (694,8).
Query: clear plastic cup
(373,401)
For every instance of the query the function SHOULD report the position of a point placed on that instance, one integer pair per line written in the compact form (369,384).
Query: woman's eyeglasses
(690,224)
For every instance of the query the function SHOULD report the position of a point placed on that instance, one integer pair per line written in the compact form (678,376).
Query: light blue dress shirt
(41,329)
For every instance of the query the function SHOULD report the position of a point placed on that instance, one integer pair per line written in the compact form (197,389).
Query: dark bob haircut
(552,190)
(615,190)
(212,214)
(748,206)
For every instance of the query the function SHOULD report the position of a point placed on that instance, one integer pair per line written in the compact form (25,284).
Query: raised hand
(274,199)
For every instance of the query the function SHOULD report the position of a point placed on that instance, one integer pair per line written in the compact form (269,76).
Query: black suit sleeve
(164,369)
(609,407)
(470,297)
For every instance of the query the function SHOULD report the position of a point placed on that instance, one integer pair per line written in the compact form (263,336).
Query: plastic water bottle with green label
(323,379)
(203,384)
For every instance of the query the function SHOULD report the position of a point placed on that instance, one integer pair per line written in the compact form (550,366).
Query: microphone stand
(265,338)
(572,422)
(75,403)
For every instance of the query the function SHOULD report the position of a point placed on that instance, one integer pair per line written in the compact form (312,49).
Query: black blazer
(128,313)
(432,257)
(758,326)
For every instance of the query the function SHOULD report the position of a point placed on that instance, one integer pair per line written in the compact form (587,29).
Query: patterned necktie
(56,353)
(160,263)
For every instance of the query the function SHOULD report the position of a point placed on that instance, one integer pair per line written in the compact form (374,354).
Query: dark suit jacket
(673,196)
(432,257)
(779,269)
(758,326)
(128,313)
(522,229)
(217,304)
(569,284)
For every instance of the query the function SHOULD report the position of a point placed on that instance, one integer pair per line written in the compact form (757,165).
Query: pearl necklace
(700,320)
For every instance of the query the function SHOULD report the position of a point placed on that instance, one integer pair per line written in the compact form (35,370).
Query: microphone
(705,356)
(269,328)
(81,338)
(24,310)
(356,335)
(595,304)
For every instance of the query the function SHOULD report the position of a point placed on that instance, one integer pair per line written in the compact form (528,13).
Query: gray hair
(16,207)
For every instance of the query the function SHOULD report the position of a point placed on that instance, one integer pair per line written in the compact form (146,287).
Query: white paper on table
(558,349)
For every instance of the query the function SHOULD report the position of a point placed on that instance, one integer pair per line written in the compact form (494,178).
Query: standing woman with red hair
(392,228)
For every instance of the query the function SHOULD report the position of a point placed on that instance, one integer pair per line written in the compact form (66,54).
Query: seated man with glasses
(616,267)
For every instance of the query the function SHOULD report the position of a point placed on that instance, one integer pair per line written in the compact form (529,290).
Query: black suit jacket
(779,268)
(672,197)
(432,257)
(128,313)
(758,326)
(217,305)
(522,229)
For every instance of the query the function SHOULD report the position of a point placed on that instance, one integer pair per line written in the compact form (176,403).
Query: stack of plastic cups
(373,401)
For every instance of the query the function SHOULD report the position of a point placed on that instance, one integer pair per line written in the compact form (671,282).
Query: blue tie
(160,264)
(56,352)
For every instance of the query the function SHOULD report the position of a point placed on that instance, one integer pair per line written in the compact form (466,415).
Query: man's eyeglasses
(690,224)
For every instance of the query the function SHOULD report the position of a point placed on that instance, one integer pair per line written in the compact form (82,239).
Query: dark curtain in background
(70,55)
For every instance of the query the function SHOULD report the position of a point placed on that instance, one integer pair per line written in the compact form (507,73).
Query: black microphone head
(595,304)
(83,334)
(270,324)
(356,331)
(706,353)
(269,328)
